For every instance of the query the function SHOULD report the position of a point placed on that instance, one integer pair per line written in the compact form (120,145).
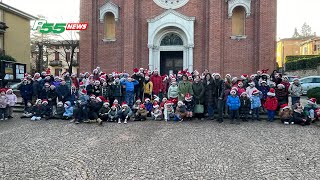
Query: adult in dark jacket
(209,98)
(36,88)
(94,107)
(219,90)
(90,88)
(198,93)
(52,96)
(139,87)
(26,91)
(117,91)
(44,92)
(63,92)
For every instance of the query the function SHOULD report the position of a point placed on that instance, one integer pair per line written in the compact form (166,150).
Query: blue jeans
(255,111)
(294,100)
(271,115)
(129,98)
(210,111)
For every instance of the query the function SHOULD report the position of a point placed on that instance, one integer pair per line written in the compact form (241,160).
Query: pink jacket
(12,99)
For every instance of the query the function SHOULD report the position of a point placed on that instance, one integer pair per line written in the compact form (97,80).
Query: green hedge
(314,93)
(7,58)
(298,57)
(305,63)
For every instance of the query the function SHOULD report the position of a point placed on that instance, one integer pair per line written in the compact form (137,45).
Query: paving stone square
(57,149)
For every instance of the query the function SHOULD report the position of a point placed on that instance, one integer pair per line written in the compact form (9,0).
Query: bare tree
(306,30)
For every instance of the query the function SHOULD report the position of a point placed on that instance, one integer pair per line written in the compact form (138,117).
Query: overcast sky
(291,13)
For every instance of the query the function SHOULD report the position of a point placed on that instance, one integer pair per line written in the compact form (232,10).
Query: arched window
(171,39)
(109,26)
(238,21)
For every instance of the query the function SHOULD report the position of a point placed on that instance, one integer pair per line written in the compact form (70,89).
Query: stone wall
(304,73)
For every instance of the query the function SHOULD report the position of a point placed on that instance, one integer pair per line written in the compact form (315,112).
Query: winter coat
(73,97)
(173,92)
(26,91)
(129,85)
(113,113)
(219,88)
(285,114)
(245,105)
(104,111)
(156,112)
(44,93)
(271,103)
(52,94)
(286,85)
(68,110)
(148,106)
(157,84)
(255,102)
(46,110)
(90,89)
(209,90)
(250,90)
(59,112)
(3,101)
(184,87)
(295,90)
(68,82)
(282,96)
(233,102)
(37,110)
(240,91)
(142,112)
(147,87)
(198,92)
(298,117)
(189,105)
(56,83)
(75,82)
(116,90)
(97,90)
(36,87)
(94,106)
(309,107)
(168,112)
(84,99)
(63,91)
(140,79)
(106,91)
(126,112)
(181,110)
(12,99)
(264,90)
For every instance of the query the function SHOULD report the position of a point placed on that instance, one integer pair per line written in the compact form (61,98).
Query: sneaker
(77,122)
(119,122)
(86,121)
(181,120)
(72,120)
(125,122)
(286,123)
(292,123)
(99,121)
(2,119)
(5,118)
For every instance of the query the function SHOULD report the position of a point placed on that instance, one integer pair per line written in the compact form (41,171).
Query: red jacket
(271,103)
(157,84)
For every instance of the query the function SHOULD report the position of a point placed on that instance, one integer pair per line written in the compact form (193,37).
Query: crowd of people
(120,97)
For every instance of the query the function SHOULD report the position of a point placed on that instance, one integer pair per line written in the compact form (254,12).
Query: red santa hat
(188,97)
(312,101)
(228,75)
(141,106)
(196,73)
(252,76)
(169,102)
(255,92)
(271,92)
(233,92)
(156,70)
(180,73)
(285,78)
(188,74)
(280,86)
(106,103)
(92,96)
(114,106)
(138,100)
(101,99)
(284,106)
(244,93)
(244,76)
(97,81)
(264,71)
(146,99)
(115,101)
(81,84)
(217,74)
(44,101)
(240,82)
(83,91)
(9,90)
(234,79)
(155,105)
(124,104)
(135,70)
(180,102)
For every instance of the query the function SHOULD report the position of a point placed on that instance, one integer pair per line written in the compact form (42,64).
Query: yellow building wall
(17,38)
(279,54)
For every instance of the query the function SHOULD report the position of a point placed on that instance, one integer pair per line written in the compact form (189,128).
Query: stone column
(150,46)
(190,58)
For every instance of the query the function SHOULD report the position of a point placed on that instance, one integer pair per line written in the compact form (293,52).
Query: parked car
(292,77)
(309,83)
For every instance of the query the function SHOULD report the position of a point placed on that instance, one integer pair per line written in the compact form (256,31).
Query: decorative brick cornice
(109,7)
(246,4)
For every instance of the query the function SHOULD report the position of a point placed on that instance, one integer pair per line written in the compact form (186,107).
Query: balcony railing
(55,63)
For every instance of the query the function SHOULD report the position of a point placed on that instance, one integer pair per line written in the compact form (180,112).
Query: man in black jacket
(219,94)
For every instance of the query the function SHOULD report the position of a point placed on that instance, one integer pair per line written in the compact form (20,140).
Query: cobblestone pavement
(57,149)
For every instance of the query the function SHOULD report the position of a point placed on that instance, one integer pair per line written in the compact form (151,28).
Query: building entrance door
(171,62)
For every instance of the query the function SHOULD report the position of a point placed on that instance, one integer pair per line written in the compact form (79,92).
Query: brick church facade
(225,36)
